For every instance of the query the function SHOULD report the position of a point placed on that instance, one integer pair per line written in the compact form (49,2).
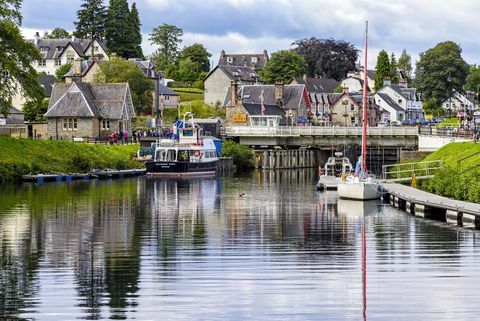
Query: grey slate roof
(244,60)
(85,66)
(147,66)
(408,93)
(164,90)
(255,109)
(47,83)
(390,102)
(79,45)
(292,95)
(238,73)
(318,85)
(106,101)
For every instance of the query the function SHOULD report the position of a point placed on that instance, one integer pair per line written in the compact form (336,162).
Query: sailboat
(362,185)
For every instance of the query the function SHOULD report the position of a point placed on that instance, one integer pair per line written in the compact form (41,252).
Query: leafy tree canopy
(62,70)
(57,33)
(92,20)
(382,69)
(327,58)
(167,38)
(282,66)
(393,69)
(473,79)
(120,70)
(405,64)
(136,33)
(34,110)
(198,55)
(120,32)
(440,71)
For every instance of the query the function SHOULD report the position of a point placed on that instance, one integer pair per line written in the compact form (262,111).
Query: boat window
(160,155)
(183,155)
(171,155)
(188,132)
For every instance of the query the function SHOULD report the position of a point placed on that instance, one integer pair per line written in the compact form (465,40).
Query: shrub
(81,163)
(242,155)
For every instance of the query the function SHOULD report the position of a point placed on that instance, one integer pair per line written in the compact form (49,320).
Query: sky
(250,26)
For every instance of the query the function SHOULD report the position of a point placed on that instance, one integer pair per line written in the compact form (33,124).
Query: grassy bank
(456,180)
(22,156)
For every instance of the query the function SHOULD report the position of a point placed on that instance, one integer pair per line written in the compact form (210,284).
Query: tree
(382,69)
(282,66)
(16,54)
(168,38)
(187,71)
(393,69)
(136,33)
(92,19)
(198,55)
(62,70)
(119,31)
(473,79)
(405,64)
(34,110)
(440,71)
(328,58)
(57,33)
(120,70)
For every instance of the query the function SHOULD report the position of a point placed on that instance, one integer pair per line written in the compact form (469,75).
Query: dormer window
(230,59)
(95,48)
(43,49)
(59,48)
(255,59)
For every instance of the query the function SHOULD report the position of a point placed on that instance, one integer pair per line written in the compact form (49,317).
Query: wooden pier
(427,205)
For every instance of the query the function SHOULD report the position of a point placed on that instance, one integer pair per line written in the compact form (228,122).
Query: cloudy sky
(253,25)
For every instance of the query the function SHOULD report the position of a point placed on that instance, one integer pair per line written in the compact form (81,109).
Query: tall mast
(365,104)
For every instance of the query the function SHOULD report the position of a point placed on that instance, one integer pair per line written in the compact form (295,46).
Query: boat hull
(181,168)
(359,190)
(327,182)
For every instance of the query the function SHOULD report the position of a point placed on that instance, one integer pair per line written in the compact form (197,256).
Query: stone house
(219,79)
(290,102)
(255,61)
(82,71)
(57,52)
(89,110)
(46,82)
(168,98)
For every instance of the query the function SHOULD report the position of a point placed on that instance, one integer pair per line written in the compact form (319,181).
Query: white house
(354,84)
(459,103)
(407,98)
(395,112)
(57,52)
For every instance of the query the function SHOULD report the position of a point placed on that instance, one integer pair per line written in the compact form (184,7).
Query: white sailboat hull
(328,183)
(359,190)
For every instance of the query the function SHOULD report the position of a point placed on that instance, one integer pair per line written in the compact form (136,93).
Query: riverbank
(22,156)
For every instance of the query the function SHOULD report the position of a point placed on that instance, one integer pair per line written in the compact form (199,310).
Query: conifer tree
(137,35)
(393,69)
(92,18)
(382,69)
(119,30)
(405,64)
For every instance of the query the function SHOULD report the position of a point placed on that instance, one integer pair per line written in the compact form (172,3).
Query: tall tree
(198,55)
(57,33)
(136,33)
(120,35)
(327,58)
(282,66)
(382,69)
(405,64)
(168,38)
(92,19)
(16,55)
(440,71)
(393,69)
(473,80)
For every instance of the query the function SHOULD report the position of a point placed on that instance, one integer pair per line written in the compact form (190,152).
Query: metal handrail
(413,168)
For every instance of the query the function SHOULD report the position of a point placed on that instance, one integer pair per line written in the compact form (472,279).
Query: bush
(81,163)
(242,155)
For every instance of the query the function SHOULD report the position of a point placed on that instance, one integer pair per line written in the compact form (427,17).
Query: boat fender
(196,153)
(344,177)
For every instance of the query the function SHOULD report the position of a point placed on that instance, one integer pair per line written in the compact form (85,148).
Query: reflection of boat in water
(335,167)
(357,208)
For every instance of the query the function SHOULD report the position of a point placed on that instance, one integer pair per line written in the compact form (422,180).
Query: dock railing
(406,171)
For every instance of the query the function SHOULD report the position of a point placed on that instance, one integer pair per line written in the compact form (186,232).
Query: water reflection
(261,246)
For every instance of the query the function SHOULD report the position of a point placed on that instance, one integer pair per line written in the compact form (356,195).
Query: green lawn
(188,97)
(453,152)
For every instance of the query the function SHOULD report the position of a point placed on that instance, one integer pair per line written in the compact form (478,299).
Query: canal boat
(187,153)
(362,185)
(334,169)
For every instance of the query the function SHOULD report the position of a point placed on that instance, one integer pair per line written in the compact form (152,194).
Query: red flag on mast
(262,102)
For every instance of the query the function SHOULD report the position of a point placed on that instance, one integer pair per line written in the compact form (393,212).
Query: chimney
(36,38)
(279,92)
(233,93)
(77,69)
(387,81)
(222,53)
(73,38)
(305,77)
(345,90)
(403,83)
(265,53)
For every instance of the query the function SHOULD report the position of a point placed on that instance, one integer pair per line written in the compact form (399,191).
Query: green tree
(168,38)
(92,19)
(242,155)
(34,110)
(282,66)
(473,79)
(440,71)
(188,71)
(57,33)
(62,70)
(137,34)
(198,55)
(119,31)
(405,64)
(120,70)
(393,69)
(382,69)
(16,55)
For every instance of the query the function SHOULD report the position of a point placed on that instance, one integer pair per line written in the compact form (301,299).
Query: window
(171,155)
(352,108)
(167,97)
(70,124)
(95,48)
(105,125)
(352,120)
(43,49)
(58,62)
(255,59)
(183,156)
(75,124)
(70,56)
(65,127)
(59,48)
(399,101)
(42,62)
(229,59)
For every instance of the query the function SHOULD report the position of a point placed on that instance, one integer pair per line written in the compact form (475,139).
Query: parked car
(407,122)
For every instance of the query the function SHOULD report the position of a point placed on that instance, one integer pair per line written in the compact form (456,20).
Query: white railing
(406,171)
(317,131)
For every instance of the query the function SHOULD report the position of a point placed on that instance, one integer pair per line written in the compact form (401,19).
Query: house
(354,84)
(168,97)
(255,61)
(407,98)
(58,52)
(316,85)
(219,78)
(46,82)
(211,126)
(360,74)
(82,71)
(460,103)
(15,117)
(147,66)
(395,112)
(82,109)
(290,103)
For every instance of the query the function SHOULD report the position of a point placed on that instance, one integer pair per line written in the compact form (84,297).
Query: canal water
(256,247)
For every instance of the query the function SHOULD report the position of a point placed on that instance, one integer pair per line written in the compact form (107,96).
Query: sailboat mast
(365,104)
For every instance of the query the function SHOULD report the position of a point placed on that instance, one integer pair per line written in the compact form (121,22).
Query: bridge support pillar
(470,220)
(392,200)
(453,217)
(408,207)
(264,160)
(419,210)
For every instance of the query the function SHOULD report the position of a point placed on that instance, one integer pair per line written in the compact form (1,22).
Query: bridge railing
(405,171)
(317,131)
